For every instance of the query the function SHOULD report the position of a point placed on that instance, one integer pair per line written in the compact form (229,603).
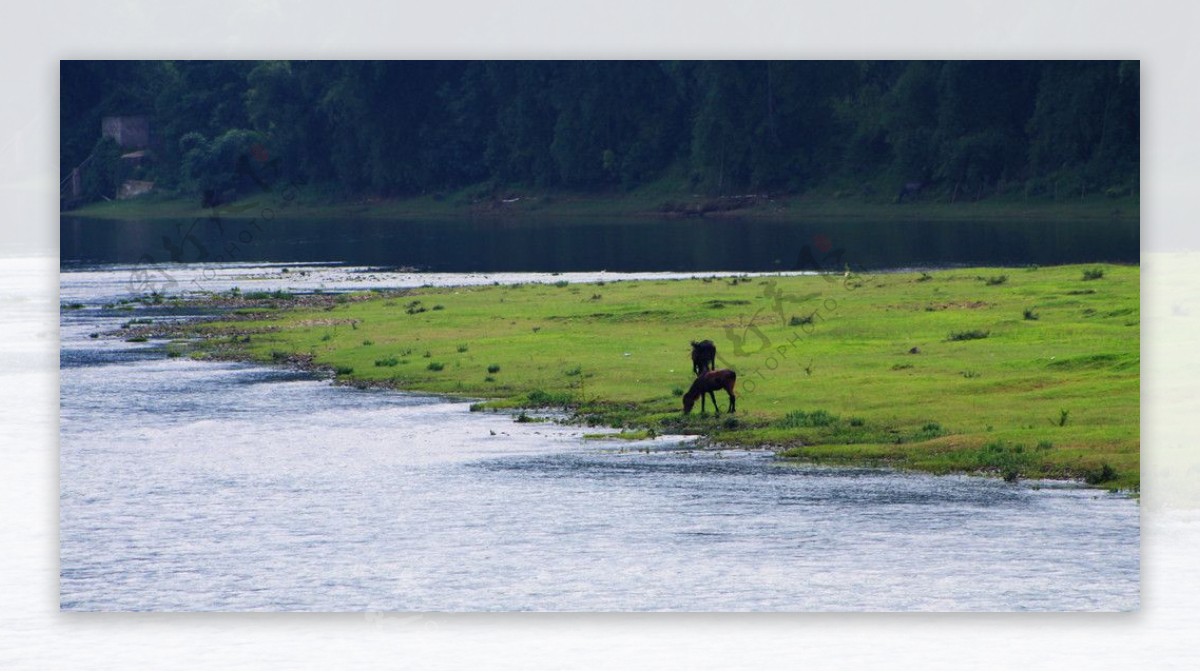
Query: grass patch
(1093,274)
(807,419)
(541,398)
(633,361)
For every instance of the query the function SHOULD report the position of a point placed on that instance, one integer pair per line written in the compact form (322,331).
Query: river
(189,486)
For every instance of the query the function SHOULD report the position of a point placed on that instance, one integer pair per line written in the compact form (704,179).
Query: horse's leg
(716,408)
(732,399)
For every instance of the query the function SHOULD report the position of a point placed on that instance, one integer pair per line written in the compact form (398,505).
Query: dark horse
(708,383)
(704,357)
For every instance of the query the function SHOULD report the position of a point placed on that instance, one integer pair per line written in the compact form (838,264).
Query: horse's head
(688,402)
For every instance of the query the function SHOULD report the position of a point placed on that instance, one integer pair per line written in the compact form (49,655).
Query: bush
(1030,314)
(436,366)
(1104,474)
(972,335)
(493,368)
(387,361)
(343,370)
(997,280)
(1093,274)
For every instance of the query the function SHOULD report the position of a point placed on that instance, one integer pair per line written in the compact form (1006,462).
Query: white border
(35,35)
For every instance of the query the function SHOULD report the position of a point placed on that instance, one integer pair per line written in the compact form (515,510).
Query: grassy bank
(1010,372)
(648,202)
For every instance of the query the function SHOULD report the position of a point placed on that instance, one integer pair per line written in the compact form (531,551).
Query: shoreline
(331,332)
(638,206)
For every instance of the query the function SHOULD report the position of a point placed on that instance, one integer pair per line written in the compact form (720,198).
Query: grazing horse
(704,357)
(708,383)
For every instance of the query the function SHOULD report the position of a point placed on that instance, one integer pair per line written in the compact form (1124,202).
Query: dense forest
(401,128)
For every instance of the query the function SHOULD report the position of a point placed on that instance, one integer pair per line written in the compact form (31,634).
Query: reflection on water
(206,486)
(654,245)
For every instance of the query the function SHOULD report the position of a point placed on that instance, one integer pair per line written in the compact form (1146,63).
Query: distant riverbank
(641,204)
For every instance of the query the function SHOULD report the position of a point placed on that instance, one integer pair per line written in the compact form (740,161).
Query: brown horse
(704,357)
(708,383)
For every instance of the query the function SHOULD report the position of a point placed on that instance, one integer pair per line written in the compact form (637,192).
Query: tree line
(401,128)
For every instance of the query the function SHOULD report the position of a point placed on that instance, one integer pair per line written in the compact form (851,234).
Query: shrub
(797,321)
(343,370)
(436,366)
(931,430)
(462,347)
(1030,314)
(387,361)
(493,368)
(997,280)
(677,391)
(1103,474)
(1093,274)
(972,335)
(574,371)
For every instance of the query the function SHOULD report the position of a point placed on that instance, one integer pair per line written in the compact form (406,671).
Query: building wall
(129,132)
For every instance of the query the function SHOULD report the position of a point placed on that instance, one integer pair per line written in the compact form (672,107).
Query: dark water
(653,245)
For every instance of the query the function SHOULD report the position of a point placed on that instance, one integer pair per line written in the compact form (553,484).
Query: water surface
(692,245)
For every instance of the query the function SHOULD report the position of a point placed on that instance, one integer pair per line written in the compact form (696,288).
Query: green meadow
(1008,372)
